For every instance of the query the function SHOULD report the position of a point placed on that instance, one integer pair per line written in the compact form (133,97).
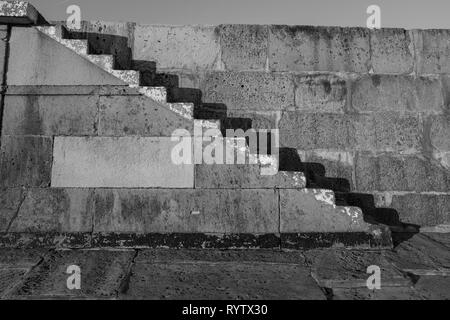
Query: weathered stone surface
(138,115)
(397,93)
(391,51)
(320,93)
(10,200)
(391,171)
(178,47)
(432,50)
(315,131)
(257,91)
(132,162)
(311,210)
(102,273)
(19,12)
(334,268)
(46,239)
(36,59)
(181,211)
(25,161)
(387,131)
(19,258)
(441,237)
(9,279)
(422,209)
(244,275)
(244,47)
(50,115)
(385,293)
(306,48)
(259,119)
(439,127)
(420,255)
(245,176)
(433,287)
(3,35)
(55,210)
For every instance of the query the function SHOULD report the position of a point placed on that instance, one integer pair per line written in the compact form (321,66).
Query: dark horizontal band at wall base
(193,240)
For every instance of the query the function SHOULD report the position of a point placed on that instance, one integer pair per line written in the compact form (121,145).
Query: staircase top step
(19,12)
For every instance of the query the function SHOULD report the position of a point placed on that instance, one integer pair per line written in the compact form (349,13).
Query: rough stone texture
(209,276)
(315,131)
(397,93)
(36,59)
(245,176)
(55,210)
(305,48)
(348,268)
(420,255)
(102,273)
(385,293)
(422,209)
(17,258)
(138,115)
(433,287)
(19,12)
(440,132)
(182,47)
(3,35)
(25,161)
(320,93)
(244,47)
(50,115)
(442,238)
(186,211)
(310,210)
(391,51)
(10,200)
(433,50)
(132,162)
(390,171)
(257,91)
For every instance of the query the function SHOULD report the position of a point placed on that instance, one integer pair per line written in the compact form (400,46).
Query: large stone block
(50,115)
(244,47)
(306,131)
(425,210)
(379,93)
(37,59)
(25,161)
(55,210)
(391,171)
(312,210)
(320,93)
(387,131)
(432,51)
(10,200)
(186,211)
(258,91)
(391,51)
(305,48)
(137,115)
(439,128)
(19,12)
(178,47)
(224,176)
(129,162)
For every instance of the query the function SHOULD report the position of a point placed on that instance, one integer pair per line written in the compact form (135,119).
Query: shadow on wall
(289,158)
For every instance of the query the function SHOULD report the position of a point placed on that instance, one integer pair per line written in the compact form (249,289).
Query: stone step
(131,77)
(105,61)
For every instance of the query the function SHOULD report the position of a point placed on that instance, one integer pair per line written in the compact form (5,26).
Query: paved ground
(419,268)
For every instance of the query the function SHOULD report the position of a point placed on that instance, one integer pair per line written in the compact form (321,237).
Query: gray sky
(394,13)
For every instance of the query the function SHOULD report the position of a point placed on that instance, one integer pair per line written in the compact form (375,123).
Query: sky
(409,14)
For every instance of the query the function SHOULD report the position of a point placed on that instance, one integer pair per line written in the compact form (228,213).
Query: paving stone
(25,161)
(244,47)
(439,127)
(334,268)
(102,273)
(10,200)
(20,258)
(232,276)
(387,293)
(433,287)
(432,50)
(306,48)
(421,255)
(442,238)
